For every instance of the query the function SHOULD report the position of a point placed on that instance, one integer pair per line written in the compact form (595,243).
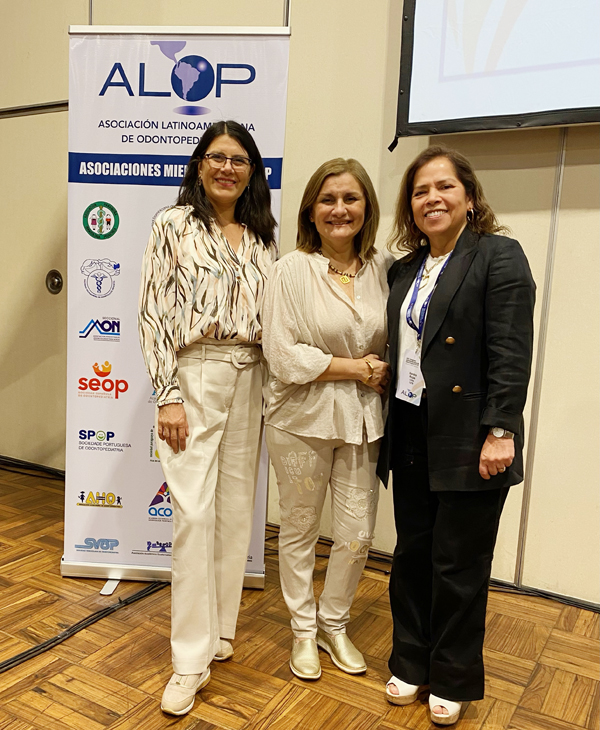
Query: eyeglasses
(216,160)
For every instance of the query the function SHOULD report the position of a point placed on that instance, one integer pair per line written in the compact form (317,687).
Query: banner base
(110,571)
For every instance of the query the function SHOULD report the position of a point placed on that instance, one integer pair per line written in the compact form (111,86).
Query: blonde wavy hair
(308,238)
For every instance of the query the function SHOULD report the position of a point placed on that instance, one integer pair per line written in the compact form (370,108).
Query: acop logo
(102,386)
(160,508)
(192,79)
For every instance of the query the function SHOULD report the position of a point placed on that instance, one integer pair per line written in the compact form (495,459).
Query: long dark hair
(405,234)
(253,207)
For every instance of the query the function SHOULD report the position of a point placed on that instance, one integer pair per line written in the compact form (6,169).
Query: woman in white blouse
(324,339)
(203,280)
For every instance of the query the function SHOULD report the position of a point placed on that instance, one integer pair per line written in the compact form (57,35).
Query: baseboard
(9,461)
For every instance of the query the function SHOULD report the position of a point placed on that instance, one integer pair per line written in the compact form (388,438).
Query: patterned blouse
(194,285)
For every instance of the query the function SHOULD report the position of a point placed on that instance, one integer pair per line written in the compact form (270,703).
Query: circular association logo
(101,220)
(100,277)
(192,78)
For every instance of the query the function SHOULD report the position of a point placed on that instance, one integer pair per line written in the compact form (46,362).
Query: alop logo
(192,78)
(102,386)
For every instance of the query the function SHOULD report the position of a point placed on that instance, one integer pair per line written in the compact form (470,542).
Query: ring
(502,470)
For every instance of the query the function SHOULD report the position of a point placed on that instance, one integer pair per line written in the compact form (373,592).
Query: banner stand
(140,98)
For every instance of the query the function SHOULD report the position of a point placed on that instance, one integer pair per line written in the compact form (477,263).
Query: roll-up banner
(139,101)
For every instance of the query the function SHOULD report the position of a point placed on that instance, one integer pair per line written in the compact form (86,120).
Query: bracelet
(371,369)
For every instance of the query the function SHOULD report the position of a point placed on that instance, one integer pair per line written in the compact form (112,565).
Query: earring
(470,215)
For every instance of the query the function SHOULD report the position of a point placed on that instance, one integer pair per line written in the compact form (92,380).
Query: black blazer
(476,357)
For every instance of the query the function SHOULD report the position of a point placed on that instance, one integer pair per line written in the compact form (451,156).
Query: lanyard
(413,299)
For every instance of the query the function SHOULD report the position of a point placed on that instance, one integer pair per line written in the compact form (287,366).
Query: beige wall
(343,84)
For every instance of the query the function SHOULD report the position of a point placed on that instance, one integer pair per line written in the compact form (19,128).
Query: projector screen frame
(404,128)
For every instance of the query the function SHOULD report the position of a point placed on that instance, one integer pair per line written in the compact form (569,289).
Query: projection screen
(498,64)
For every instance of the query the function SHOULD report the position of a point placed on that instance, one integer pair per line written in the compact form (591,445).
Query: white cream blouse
(307,320)
(195,285)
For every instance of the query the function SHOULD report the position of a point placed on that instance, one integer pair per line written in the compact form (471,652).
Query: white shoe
(452,707)
(225,651)
(407,693)
(180,692)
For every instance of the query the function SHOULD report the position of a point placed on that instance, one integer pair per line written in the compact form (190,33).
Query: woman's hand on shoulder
(375,372)
(173,426)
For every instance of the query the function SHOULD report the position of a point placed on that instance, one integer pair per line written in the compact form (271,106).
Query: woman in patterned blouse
(203,280)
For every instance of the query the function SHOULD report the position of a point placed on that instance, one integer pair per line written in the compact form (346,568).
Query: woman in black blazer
(460,316)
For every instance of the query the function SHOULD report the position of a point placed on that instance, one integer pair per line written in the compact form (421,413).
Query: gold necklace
(427,271)
(344,276)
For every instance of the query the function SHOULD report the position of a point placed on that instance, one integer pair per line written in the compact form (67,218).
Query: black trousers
(441,569)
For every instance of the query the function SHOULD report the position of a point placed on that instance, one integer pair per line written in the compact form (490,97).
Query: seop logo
(100,276)
(101,219)
(160,508)
(107,329)
(102,386)
(193,77)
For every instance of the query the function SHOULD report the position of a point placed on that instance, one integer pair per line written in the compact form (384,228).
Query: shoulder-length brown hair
(405,234)
(308,238)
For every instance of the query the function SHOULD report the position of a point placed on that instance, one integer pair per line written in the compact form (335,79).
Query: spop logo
(160,508)
(90,440)
(100,276)
(107,329)
(102,386)
(192,78)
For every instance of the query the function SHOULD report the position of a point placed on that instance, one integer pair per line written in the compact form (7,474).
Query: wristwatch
(501,433)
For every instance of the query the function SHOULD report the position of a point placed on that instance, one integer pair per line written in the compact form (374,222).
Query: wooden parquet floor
(541,656)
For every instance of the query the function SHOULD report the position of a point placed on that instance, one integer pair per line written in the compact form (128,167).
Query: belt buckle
(234,357)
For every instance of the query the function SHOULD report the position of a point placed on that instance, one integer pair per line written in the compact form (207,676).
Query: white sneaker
(180,692)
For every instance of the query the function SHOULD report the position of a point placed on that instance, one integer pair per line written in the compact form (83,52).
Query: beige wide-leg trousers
(212,485)
(304,467)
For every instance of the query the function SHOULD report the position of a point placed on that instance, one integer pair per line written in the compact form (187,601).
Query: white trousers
(304,467)
(212,485)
